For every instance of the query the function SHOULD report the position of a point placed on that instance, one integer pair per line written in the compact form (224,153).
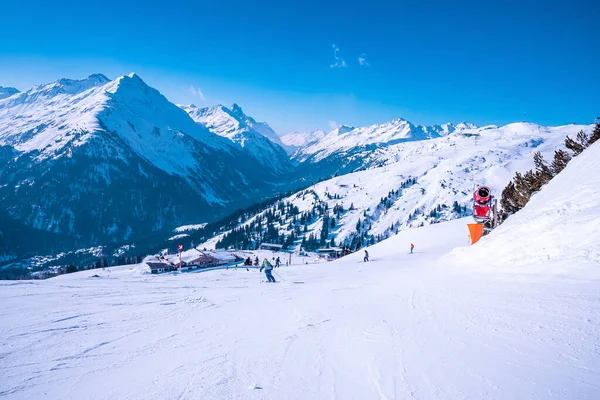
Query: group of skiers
(366,258)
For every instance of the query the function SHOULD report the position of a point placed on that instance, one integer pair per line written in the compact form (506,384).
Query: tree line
(519,190)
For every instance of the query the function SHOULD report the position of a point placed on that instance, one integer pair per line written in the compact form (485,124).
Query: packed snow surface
(400,326)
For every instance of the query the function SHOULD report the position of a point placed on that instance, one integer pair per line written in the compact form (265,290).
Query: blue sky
(296,64)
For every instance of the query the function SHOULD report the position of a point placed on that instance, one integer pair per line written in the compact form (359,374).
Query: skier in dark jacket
(366,256)
(267,267)
(277,263)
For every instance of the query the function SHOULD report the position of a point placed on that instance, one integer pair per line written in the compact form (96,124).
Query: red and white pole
(180,248)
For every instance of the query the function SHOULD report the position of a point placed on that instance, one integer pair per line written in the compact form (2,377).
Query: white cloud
(334,125)
(338,62)
(196,92)
(363,61)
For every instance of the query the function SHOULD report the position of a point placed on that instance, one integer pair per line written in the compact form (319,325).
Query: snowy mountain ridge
(298,140)
(255,138)
(389,133)
(7,92)
(107,135)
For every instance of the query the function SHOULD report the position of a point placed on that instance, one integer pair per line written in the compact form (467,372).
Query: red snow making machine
(482,204)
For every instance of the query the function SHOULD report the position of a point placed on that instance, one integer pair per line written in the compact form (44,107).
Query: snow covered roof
(221,255)
(270,246)
(330,250)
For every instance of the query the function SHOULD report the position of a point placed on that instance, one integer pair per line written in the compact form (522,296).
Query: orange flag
(476,232)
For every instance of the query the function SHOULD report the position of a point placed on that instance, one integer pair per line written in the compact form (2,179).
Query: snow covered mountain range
(403,184)
(106,161)
(100,162)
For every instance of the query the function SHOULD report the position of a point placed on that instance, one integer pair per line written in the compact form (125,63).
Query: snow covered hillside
(420,182)
(401,326)
(106,161)
(299,140)
(559,227)
(257,139)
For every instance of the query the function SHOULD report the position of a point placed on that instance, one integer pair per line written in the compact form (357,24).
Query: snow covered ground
(401,326)
(447,322)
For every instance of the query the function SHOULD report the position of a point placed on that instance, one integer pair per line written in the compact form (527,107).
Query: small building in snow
(160,267)
(270,246)
(332,253)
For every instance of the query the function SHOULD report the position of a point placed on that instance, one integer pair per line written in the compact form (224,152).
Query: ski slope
(401,326)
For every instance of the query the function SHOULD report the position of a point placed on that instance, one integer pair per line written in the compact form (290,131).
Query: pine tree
(71,268)
(332,223)
(325,229)
(595,136)
(534,182)
(543,171)
(560,161)
(522,190)
(456,207)
(578,145)
(509,201)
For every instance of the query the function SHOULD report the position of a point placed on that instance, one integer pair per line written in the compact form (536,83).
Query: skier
(366,256)
(277,263)
(268,267)
(256,262)
(412,247)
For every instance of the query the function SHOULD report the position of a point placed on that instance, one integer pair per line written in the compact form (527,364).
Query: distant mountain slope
(299,140)
(254,138)
(106,161)
(7,92)
(396,131)
(405,185)
(261,127)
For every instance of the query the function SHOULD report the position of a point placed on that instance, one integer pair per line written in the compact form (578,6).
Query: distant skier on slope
(267,267)
(256,262)
(277,263)
(412,247)
(366,256)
